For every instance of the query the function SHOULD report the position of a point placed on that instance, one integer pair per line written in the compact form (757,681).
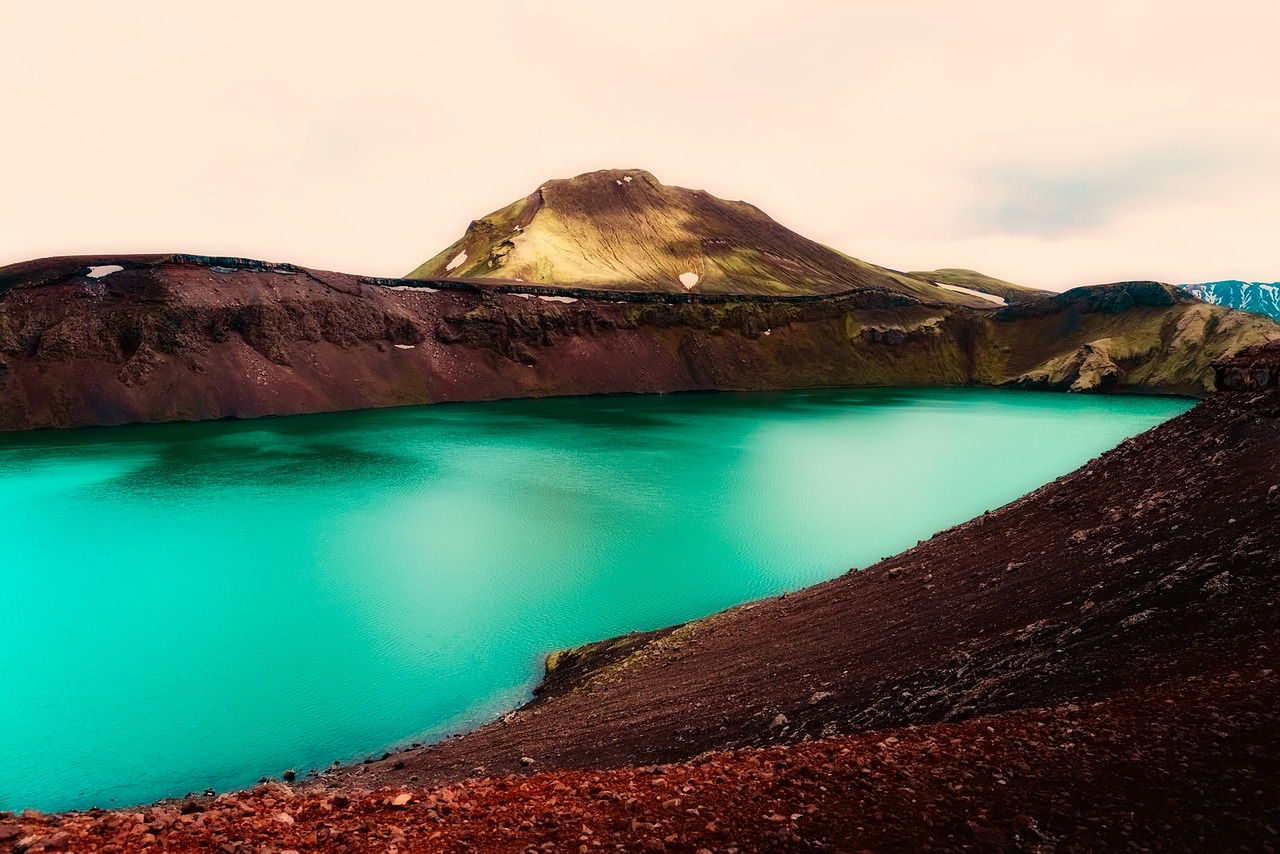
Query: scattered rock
(1219,584)
(1135,619)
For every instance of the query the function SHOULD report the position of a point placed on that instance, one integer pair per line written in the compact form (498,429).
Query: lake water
(198,605)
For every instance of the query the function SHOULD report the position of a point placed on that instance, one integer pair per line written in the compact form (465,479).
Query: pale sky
(1048,143)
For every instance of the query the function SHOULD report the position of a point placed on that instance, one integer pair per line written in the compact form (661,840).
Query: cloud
(994,135)
(1056,203)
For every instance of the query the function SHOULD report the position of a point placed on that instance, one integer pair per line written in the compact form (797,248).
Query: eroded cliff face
(166,338)
(1252,369)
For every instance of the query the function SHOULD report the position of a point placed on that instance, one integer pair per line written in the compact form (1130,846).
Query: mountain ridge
(958,277)
(1258,297)
(601,309)
(119,339)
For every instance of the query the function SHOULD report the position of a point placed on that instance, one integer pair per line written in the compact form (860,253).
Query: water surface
(197,605)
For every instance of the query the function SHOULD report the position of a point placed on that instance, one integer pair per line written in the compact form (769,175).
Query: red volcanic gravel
(1187,766)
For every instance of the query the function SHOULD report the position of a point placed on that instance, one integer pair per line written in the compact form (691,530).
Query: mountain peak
(625,229)
(601,179)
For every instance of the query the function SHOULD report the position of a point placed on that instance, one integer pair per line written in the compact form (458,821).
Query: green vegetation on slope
(623,229)
(973,280)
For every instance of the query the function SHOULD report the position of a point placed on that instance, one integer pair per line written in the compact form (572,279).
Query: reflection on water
(196,605)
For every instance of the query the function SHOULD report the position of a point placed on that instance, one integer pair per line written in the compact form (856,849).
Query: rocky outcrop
(1107,299)
(1252,369)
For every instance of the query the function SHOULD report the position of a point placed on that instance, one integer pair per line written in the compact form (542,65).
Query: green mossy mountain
(975,281)
(623,229)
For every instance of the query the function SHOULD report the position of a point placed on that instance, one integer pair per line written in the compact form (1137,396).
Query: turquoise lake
(198,605)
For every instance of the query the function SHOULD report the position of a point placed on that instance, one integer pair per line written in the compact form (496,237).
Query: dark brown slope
(1152,566)
(187,338)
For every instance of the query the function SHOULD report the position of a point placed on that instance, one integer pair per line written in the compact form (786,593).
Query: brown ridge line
(65,268)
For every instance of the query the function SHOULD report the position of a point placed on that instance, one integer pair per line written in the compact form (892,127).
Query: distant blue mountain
(1258,297)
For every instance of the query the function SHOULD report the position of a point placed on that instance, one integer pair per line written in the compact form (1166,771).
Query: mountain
(117,339)
(1258,297)
(623,229)
(610,282)
(979,283)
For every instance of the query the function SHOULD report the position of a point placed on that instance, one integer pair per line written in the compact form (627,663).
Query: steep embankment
(623,229)
(166,338)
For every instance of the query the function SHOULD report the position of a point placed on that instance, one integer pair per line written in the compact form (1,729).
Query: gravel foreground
(1187,766)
